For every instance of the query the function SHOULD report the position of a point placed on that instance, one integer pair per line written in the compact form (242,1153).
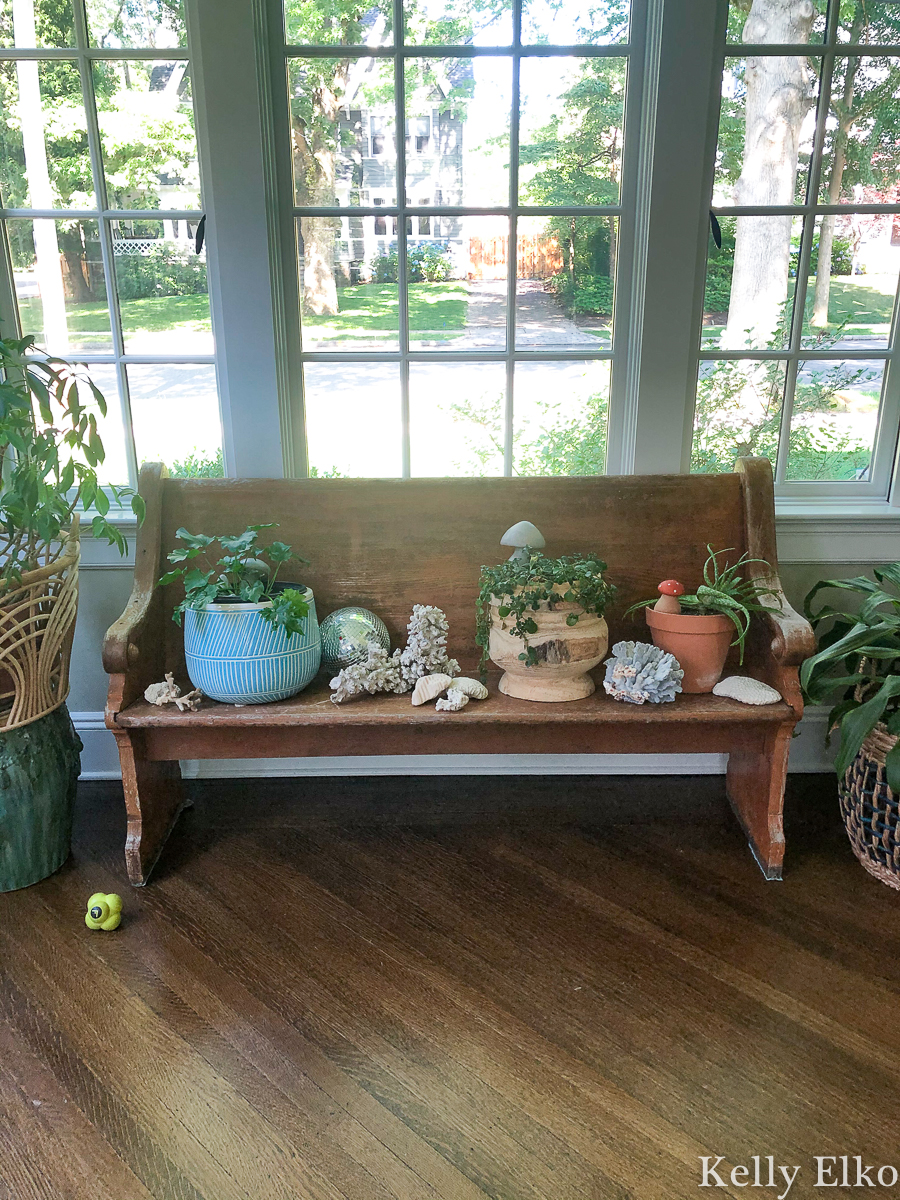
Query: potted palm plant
(50,449)
(541,620)
(857,670)
(249,638)
(698,629)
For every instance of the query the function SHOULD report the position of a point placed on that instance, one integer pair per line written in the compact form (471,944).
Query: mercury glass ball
(346,635)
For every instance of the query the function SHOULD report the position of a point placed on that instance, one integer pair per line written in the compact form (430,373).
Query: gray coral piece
(642,674)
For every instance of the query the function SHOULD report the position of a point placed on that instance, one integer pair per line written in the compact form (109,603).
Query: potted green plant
(541,620)
(699,628)
(857,669)
(50,449)
(248,637)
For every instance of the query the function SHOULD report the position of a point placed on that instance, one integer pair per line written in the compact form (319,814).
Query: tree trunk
(778,98)
(846,118)
(314,172)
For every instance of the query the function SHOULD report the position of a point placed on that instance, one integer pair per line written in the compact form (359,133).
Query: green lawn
(372,309)
(864,302)
(860,300)
(157,314)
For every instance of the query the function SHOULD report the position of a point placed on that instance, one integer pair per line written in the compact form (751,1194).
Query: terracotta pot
(565,653)
(699,643)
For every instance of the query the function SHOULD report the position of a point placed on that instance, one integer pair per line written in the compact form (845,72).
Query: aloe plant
(861,647)
(725,591)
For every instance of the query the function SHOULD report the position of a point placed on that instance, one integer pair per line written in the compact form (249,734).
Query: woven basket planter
(37,624)
(871,811)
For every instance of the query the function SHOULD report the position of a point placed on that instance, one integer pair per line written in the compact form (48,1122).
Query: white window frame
(83,54)
(881,485)
(237,55)
(625,211)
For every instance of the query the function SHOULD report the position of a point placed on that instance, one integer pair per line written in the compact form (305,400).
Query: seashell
(746,690)
(456,699)
(473,688)
(430,686)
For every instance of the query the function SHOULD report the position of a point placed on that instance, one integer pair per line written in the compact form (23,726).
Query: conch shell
(430,686)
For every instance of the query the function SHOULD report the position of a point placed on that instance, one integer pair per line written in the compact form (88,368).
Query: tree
(145,125)
(865,141)
(324,123)
(578,157)
(779,93)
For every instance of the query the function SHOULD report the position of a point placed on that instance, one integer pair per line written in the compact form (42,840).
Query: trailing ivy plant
(244,572)
(857,665)
(50,449)
(521,585)
(725,592)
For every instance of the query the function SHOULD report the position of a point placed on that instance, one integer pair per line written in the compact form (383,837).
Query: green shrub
(425,264)
(841,257)
(718,285)
(197,467)
(167,270)
(593,293)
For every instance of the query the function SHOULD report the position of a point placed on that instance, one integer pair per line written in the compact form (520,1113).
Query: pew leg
(755,782)
(154,798)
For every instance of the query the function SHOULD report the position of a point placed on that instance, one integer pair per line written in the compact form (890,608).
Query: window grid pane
(812,296)
(114,285)
(421,272)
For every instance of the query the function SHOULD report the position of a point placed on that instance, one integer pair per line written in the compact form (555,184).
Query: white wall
(808,550)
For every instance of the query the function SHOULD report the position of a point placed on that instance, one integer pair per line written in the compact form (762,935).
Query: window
(481,338)
(100,189)
(799,326)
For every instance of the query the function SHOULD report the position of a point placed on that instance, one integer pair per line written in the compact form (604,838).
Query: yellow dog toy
(103,911)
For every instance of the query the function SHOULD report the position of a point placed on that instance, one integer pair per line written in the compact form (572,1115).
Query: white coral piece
(170,693)
(453,702)
(426,646)
(379,673)
(639,673)
(162,693)
(430,686)
(473,688)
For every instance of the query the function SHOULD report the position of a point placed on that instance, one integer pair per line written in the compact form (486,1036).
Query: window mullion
(237,199)
(512,249)
(107,255)
(402,264)
(673,232)
(806,247)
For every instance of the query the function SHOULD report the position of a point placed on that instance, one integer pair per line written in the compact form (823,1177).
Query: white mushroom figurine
(520,535)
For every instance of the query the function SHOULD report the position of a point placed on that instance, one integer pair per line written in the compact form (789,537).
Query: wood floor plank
(703,1034)
(512,1010)
(67,1139)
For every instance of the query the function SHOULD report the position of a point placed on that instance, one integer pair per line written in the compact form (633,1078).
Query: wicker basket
(37,624)
(871,811)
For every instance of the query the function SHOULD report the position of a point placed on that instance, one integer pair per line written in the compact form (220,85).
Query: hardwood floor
(444,989)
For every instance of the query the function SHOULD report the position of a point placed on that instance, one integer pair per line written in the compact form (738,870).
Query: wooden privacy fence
(537,258)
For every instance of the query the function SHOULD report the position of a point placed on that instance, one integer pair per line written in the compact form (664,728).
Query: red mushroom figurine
(670,590)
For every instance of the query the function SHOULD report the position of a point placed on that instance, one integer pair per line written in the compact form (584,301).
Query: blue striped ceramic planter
(233,655)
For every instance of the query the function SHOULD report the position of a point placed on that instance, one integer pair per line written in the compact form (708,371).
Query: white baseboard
(100,760)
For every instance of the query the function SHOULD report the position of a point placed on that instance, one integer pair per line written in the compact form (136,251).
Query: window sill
(825,531)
